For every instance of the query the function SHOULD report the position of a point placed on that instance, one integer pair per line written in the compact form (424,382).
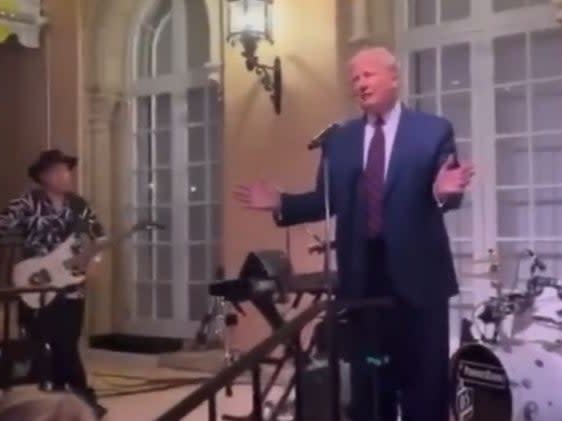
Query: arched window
(175,177)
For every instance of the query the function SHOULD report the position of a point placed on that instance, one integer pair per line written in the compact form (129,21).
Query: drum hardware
(549,321)
(537,284)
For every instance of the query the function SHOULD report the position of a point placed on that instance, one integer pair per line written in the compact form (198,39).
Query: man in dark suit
(393,173)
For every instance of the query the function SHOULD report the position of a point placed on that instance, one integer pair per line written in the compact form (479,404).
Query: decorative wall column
(98,185)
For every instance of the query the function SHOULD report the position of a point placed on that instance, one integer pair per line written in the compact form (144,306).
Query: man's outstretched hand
(260,195)
(452,179)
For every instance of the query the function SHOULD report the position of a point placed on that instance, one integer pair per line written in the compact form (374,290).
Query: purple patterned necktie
(373,178)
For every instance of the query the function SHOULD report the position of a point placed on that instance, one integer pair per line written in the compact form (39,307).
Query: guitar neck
(104,244)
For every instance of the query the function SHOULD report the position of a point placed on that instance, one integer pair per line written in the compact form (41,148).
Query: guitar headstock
(147,225)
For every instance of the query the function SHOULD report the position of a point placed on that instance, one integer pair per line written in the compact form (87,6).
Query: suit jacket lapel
(398,151)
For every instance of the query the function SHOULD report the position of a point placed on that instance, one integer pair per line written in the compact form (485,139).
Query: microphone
(318,140)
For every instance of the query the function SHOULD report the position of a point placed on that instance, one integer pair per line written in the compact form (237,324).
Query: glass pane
(456,108)
(459,223)
(196,105)
(455,65)
(145,186)
(197,223)
(546,105)
(548,212)
(509,58)
(163,147)
(215,102)
(144,255)
(163,111)
(546,59)
(196,141)
(512,161)
(160,10)
(145,58)
(164,263)
(421,12)
(550,253)
(217,259)
(425,104)
(164,47)
(216,194)
(501,5)
(197,263)
(423,70)
(513,213)
(454,9)
(164,218)
(216,223)
(510,254)
(164,302)
(197,187)
(511,111)
(144,121)
(198,301)
(547,159)
(144,150)
(163,186)
(144,300)
(144,52)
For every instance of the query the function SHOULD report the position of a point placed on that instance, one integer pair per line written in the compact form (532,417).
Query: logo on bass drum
(482,374)
(465,403)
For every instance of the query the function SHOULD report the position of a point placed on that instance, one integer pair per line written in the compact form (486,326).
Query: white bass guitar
(66,265)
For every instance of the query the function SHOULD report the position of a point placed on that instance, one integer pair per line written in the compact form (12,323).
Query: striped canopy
(21,18)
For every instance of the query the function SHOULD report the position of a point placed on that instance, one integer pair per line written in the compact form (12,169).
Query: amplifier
(315,390)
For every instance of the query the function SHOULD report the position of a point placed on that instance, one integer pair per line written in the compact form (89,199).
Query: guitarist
(46,216)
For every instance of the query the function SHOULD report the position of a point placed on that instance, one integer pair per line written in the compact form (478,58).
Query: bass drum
(493,384)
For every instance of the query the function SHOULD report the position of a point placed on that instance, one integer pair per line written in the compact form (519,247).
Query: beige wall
(25,77)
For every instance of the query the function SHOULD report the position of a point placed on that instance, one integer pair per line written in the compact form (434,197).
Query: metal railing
(8,296)
(289,335)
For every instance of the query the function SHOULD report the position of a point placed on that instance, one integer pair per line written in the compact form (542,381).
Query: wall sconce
(249,22)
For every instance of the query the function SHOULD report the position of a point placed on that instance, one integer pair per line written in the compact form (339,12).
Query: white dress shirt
(390,127)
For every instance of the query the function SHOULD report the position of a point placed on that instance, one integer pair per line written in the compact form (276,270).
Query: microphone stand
(331,316)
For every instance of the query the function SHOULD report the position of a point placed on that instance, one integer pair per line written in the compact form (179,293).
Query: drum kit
(511,368)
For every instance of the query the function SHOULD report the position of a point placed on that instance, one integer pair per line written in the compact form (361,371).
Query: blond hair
(381,53)
(40,406)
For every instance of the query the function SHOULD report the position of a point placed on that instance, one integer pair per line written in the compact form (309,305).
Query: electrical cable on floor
(112,386)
